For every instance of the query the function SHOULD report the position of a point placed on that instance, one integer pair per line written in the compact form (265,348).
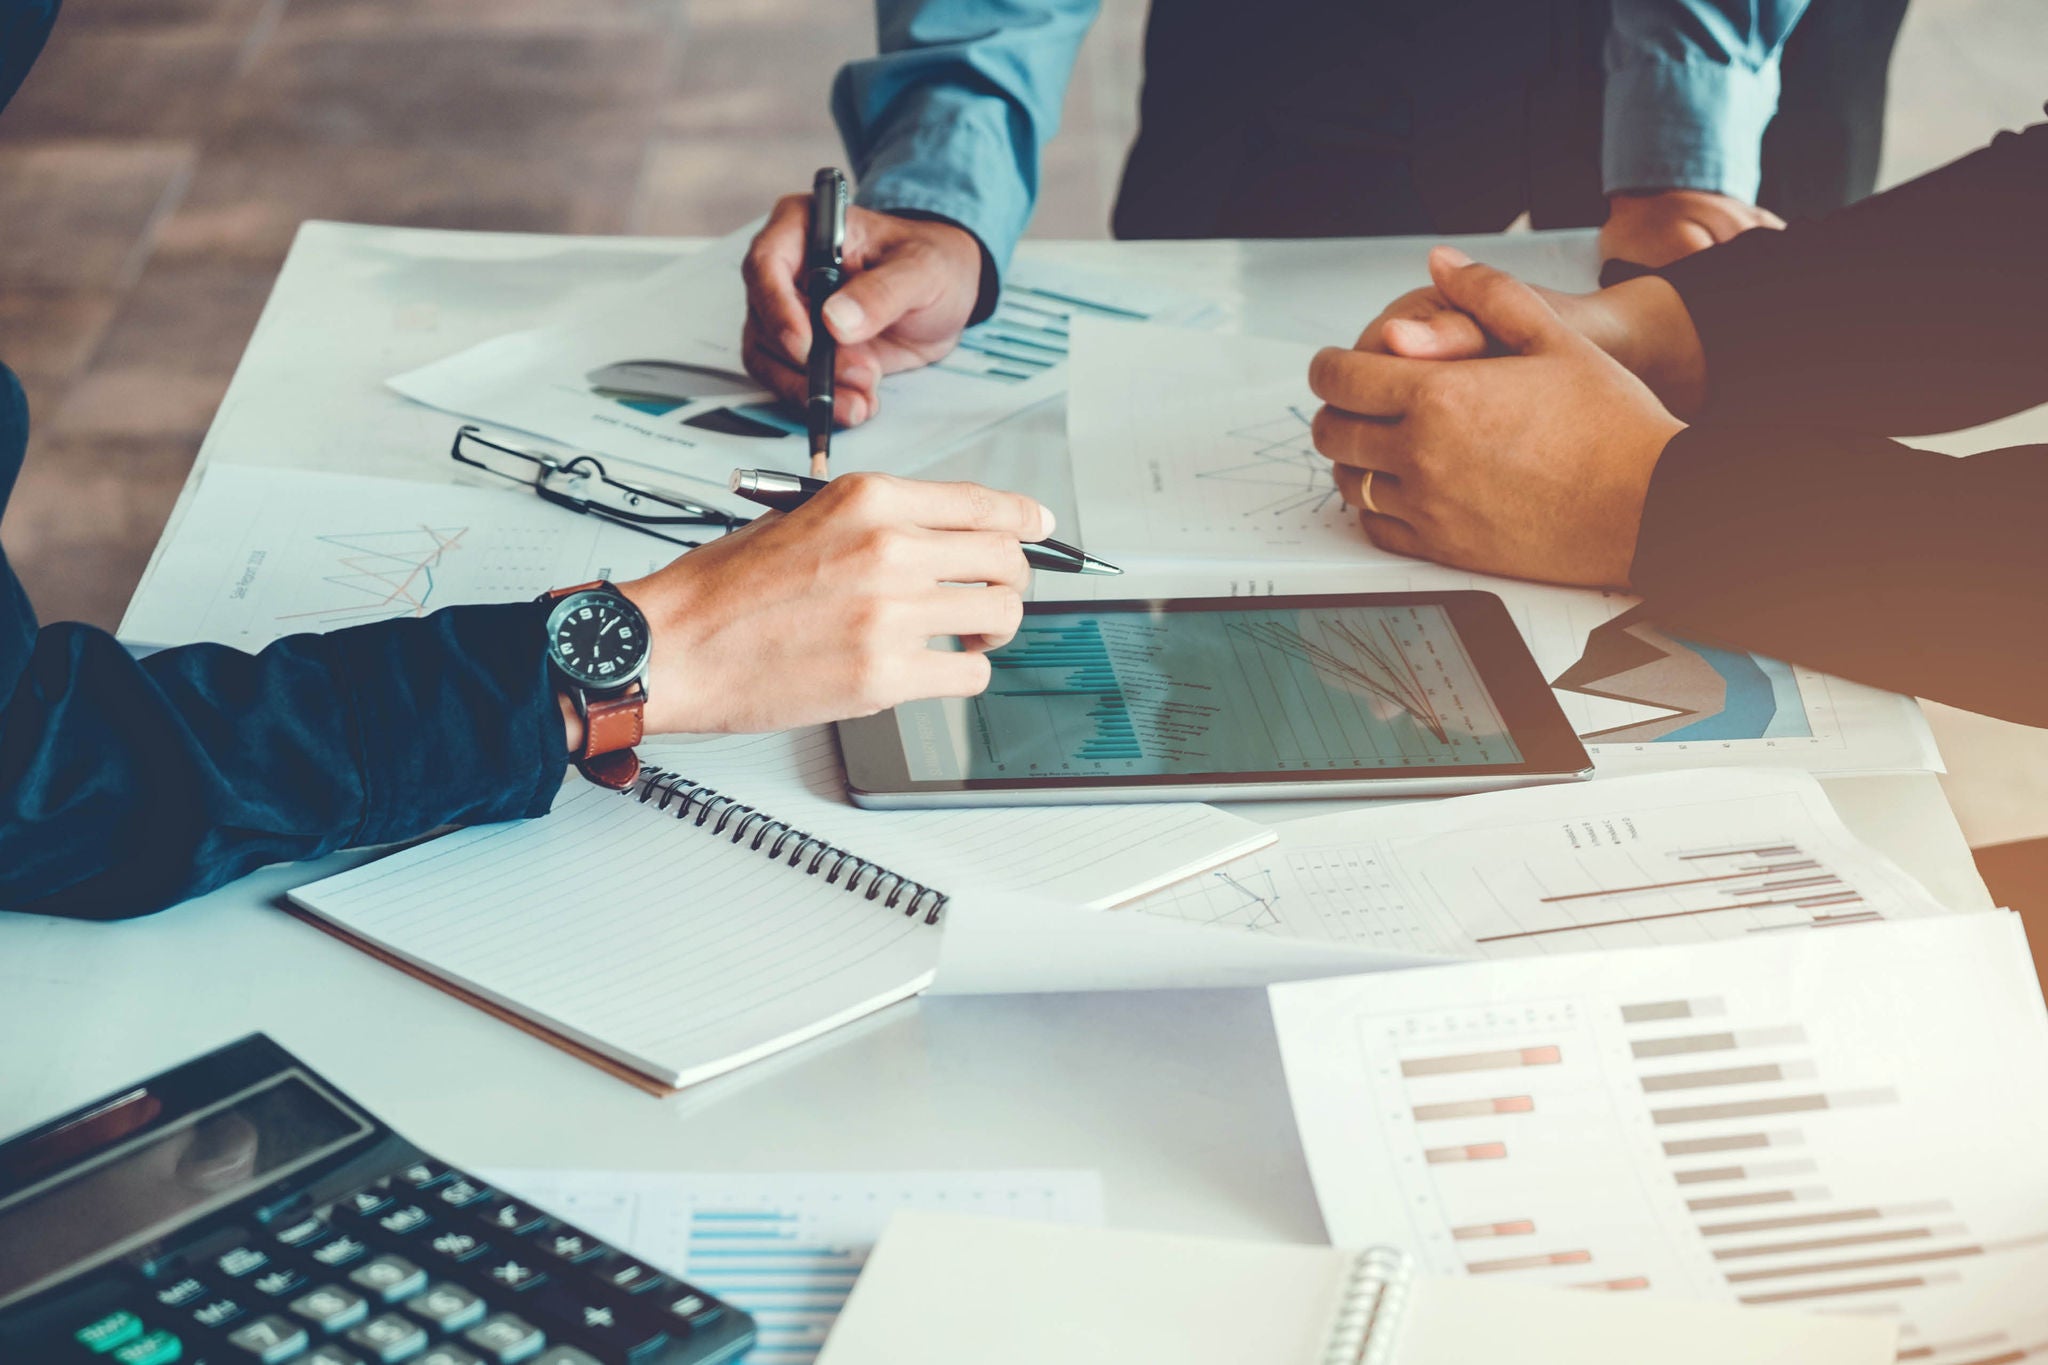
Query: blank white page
(946,1289)
(645,937)
(1460,1321)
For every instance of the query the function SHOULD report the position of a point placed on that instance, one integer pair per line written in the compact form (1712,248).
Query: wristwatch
(598,646)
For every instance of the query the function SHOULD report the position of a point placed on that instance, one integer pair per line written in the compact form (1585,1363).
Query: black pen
(824,271)
(787,492)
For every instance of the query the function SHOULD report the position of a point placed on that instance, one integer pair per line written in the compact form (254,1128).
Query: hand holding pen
(787,492)
(824,271)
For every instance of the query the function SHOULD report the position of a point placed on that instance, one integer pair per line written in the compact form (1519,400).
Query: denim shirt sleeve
(951,115)
(127,785)
(1691,85)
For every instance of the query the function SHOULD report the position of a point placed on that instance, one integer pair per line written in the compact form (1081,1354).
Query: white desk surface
(1176,1097)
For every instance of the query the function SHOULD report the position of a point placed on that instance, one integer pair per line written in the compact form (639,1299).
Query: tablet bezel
(872,746)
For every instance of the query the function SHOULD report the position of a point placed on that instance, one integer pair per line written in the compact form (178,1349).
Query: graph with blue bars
(1248,689)
(786,1247)
(1071,661)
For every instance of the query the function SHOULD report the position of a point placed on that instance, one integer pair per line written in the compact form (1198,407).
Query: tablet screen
(1280,689)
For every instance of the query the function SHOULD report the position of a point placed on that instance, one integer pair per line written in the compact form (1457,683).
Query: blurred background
(155,165)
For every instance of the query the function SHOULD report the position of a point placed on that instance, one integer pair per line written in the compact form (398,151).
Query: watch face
(598,639)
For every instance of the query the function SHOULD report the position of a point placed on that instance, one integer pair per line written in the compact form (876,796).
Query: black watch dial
(598,639)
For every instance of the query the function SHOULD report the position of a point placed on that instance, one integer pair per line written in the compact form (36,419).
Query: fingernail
(796,347)
(1451,256)
(1046,522)
(856,409)
(1402,334)
(844,314)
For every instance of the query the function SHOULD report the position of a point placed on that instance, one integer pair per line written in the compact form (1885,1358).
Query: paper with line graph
(265,553)
(1195,445)
(1827,1123)
(1667,858)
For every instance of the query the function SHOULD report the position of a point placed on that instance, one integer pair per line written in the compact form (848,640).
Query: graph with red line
(381,575)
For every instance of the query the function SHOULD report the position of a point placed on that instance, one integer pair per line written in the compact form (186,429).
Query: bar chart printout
(1656,858)
(786,1247)
(1765,1120)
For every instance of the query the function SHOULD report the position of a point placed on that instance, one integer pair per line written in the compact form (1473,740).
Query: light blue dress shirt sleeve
(951,115)
(1691,85)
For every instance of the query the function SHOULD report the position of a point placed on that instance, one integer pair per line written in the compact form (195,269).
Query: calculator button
(364,1203)
(339,1251)
(693,1309)
(423,1175)
(514,1274)
(241,1262)
(331,1308)
(617,1330)
(446,1307)
(458,1246)
(389,1278)
(506,1339)
(303,1233)
(390,1338)
(158,1348)
(270,1339)
(217,1313)
(565,1355)
(115,1329)
(181,1293)
(278,1282)
(567,1244)
(449,1355)
(404,1220)
(503,1215)
(627,1275)
(331,1355)
(460,1193)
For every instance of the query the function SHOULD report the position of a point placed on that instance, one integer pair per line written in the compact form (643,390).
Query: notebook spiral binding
(677,795)
(1369,1320)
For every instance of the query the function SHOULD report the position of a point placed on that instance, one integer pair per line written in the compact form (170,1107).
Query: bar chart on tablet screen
(1737,1142)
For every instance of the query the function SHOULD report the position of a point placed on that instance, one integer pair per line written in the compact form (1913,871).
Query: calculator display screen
(112,1189)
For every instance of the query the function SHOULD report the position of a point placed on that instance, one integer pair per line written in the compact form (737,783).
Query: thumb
(1509,310)
(873,301)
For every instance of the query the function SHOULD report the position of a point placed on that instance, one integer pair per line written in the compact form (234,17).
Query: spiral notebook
(673,932)
(942,1288)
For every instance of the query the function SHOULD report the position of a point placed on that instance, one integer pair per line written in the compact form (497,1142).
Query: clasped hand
(1508,430)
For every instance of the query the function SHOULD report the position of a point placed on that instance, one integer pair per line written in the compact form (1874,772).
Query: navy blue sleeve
(127,785)
(1920,309)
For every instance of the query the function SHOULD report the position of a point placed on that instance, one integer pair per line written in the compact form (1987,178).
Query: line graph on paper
(1281,471)
(382,575)
(1228,897)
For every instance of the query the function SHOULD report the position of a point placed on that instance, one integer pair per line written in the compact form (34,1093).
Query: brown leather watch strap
(611,727)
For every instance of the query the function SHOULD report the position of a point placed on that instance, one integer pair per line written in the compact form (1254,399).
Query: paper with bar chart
(652,373)
(1196,445)
(1656,858)
(265,553)
(1817,1122)
(786,1247)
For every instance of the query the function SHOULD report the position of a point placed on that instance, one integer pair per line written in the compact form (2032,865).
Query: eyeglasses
(581,485)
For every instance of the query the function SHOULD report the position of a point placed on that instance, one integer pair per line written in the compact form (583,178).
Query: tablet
(1230,698)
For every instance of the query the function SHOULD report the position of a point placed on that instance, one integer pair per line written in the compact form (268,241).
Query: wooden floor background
(153,168)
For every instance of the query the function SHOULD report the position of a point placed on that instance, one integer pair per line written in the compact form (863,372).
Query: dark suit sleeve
(127,785)
(1922,309)
(1902,568)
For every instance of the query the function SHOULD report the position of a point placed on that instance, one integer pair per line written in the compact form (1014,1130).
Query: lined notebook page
(1092,855)
(655,942)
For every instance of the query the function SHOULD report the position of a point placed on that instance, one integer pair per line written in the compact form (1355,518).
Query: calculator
(239,1209)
